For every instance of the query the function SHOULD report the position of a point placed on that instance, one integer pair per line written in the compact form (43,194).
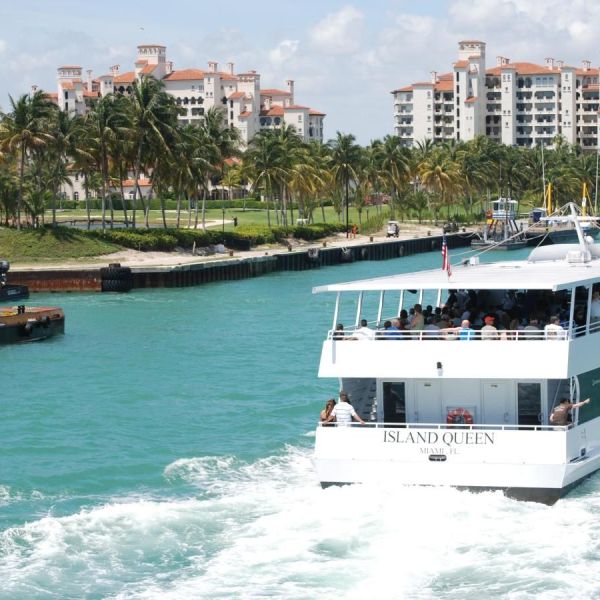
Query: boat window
(394,402)
(529,397)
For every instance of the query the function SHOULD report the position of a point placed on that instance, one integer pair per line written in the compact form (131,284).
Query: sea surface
(162,449)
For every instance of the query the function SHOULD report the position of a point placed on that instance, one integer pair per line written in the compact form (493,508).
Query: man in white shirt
(554,330)
(363,332)
(343,412)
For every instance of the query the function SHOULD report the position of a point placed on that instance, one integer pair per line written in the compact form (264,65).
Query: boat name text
(449,438)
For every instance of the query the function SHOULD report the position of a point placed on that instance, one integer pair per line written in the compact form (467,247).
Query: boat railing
(456,333)
(445,426)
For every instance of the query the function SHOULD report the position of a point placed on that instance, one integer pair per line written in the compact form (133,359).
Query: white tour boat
(443,408)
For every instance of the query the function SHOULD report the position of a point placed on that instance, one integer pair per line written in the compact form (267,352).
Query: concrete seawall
(231,268)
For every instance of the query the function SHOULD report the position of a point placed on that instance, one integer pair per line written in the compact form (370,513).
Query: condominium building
(245,105)
(516,103)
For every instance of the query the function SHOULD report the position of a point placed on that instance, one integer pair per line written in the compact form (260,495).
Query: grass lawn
(215,215)
(45,245)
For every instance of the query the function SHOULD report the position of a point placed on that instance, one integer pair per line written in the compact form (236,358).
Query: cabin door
(496,403)
(428,407)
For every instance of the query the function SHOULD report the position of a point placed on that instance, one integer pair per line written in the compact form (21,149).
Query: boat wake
(266,529)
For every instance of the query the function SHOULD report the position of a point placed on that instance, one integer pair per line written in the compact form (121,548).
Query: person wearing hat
(489,331)
(343,412)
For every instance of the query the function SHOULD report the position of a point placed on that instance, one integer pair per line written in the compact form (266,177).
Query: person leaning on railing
(343,412)
(561,415)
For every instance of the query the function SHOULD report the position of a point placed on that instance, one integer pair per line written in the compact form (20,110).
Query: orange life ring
(459,416)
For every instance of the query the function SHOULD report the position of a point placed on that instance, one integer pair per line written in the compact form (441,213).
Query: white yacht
(441,408)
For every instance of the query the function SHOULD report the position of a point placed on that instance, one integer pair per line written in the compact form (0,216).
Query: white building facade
(518,104)
(245,106)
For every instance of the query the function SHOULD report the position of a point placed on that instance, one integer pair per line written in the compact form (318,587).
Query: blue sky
(345,57)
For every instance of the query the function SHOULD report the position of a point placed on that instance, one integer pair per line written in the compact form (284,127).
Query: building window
(76,196)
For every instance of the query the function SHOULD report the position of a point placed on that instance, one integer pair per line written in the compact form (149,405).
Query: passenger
(489,331)
(554,330)
(561,415)
(383,334)
(532,331)
(343,412)
(431,331)
(393,331)
(326,412)
(364,332)
(418,322)
(595,308)
(464,332)
(338,334)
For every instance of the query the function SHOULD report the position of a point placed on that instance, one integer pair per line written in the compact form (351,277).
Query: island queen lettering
(448,440)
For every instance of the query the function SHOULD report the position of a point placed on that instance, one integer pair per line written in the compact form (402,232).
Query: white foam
(268,530)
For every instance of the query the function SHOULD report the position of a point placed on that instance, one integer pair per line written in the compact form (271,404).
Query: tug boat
(19,324)
(442,409)
(10,292)
(501,231)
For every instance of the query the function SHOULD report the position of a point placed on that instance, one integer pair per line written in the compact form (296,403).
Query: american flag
(445,258)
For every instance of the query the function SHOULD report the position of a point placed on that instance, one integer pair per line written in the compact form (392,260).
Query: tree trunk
(21,179)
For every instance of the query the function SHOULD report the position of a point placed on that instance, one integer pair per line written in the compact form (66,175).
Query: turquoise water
(162,449)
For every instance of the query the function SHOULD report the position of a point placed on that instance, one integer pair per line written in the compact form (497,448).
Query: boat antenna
(596,186)
(543,172)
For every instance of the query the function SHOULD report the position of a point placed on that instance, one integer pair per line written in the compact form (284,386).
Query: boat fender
(364,253)
(459,416)
(401,251)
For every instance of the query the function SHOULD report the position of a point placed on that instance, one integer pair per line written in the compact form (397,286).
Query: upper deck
(555,280)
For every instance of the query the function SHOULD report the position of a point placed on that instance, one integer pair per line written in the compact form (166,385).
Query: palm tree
(152,119)
(105,123)
(441,175)
(24,129)
(345,159)
(65,131)
(395,165)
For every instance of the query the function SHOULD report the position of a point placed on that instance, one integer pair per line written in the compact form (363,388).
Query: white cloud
(340,32)
(284,51)
(3,46)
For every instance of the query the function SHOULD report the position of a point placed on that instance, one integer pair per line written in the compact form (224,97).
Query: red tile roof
(445,85)
(70,67)
(470,99)
(422,83)
(148,69)
(524,68)
(316,113)
(274,111)
(128,77)
(274,92)
(236,95)
(185,75)
(87,94)
(245,114)
(408,88)
(461,64)
(589,72)
(296,107)
(68,85)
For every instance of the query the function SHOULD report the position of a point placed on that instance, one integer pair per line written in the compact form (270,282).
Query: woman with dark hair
(326,412)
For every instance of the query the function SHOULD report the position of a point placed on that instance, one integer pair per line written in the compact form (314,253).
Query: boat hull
(528,465)
(33,325)
(510,245)
(10,293)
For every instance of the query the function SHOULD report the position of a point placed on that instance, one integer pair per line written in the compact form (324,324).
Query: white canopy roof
(510,275)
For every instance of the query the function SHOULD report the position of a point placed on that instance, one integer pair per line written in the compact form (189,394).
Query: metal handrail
(462,426)
(453,334)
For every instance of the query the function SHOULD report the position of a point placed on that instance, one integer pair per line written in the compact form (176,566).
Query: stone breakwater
(55,279)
